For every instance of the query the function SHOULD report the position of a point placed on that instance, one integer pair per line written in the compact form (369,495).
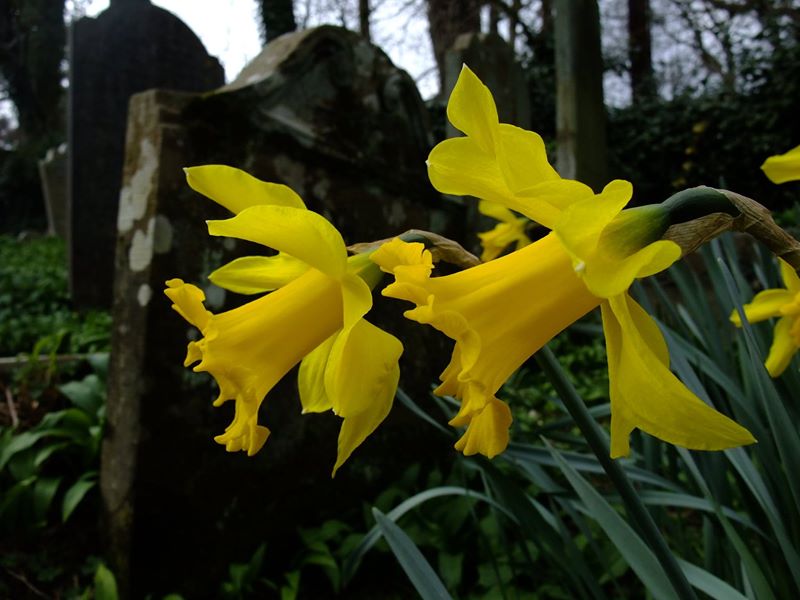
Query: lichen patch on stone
(133,197)
(141,251)
(144,294)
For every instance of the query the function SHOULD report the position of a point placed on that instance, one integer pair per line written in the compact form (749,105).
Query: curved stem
(599,445)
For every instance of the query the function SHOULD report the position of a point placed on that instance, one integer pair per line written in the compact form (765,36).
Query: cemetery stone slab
(130,47)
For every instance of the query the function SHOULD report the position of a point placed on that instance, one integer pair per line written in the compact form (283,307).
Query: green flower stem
(599,445)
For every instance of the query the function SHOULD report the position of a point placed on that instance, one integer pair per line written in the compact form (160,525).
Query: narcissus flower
(498,162)
(510,230)
(785,305)
(783,167)
(501,312)
(313,316)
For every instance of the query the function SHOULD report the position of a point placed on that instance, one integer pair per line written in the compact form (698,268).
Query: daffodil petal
(495,211)
(356,299)
(522,158)
(188,302)
(783,347)
(765,305)
(503,235)
(488,431)
(789,276)
(471,109)
(545,202)
(783,167)
(258,274)
(300,233)
(582,223)
(358,365)
(311,378)
(459,166)
(666,410)
(361,380)
(237,190)
(607,278)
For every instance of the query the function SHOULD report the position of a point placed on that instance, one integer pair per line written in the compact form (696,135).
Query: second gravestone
(131,47)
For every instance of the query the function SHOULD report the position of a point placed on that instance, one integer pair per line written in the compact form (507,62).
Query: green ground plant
(34,301)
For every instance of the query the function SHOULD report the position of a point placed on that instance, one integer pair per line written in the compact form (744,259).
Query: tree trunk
(277,18)
(363,18)
(580,111)
(447,20)
(32,41)
(640,50)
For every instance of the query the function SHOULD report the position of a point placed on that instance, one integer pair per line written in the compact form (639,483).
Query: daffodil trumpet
(310,309)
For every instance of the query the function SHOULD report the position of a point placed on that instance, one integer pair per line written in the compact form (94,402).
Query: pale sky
(229,31)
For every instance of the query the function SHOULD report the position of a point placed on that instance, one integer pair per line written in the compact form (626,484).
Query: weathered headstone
(53,175)
(131,47)
(326,113)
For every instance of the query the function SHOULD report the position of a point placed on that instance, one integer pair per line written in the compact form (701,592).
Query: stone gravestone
(131,47)
(326,113)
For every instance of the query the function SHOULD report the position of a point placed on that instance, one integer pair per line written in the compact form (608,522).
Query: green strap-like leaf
(422,576)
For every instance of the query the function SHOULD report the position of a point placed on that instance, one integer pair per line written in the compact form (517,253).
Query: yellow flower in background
(314,316)
(783,167)
(498,162)
(510,230)
(785,305)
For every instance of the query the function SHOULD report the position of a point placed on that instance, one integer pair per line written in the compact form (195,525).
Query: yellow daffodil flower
(510,230)
(784,304)
(498,162)
(501,312)
(314,316)
(783,167)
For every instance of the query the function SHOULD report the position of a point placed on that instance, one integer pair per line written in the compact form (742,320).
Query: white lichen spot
(162,242)
(144,294)
(141,250)
(215,297)
(133,197)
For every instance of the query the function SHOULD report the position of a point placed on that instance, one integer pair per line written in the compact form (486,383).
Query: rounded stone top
(137,33)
